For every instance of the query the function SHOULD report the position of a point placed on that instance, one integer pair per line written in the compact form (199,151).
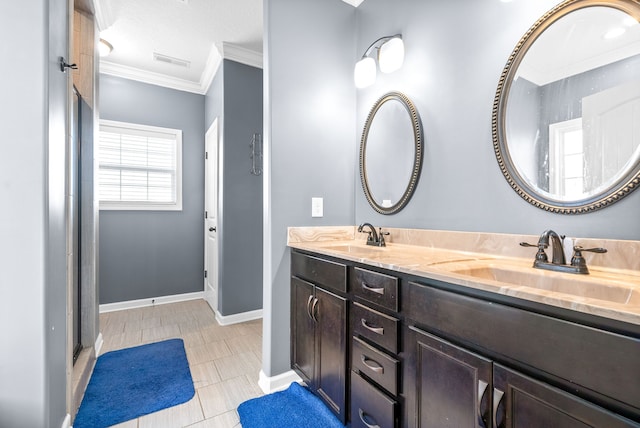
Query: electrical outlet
(317,207)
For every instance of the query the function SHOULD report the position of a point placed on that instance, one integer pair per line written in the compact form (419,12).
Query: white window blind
(139,167)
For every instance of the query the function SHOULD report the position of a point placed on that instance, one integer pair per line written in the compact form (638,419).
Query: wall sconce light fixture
(104,47)
(390,51)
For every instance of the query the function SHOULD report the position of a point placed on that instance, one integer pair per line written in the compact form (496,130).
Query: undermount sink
(587,286)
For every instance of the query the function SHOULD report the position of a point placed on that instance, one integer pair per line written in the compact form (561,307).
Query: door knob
(212,229)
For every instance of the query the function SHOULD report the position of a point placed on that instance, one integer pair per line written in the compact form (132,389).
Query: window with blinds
(139,167)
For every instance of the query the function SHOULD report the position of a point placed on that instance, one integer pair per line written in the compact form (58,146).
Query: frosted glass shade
(364,73)
(104,47)
(391,55)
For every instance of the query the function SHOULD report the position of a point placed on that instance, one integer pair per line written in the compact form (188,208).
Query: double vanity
(438,329)
(456,329)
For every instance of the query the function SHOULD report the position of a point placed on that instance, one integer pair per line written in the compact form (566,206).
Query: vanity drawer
(369,406)
(321,272)
(377,366)
(376,327)
(376,288)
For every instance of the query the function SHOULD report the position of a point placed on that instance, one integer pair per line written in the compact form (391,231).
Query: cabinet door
(302,330)
(522,402)
(453,385)
(331,335)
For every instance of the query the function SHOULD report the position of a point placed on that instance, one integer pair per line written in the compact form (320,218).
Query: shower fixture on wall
(390,53)
(256,154)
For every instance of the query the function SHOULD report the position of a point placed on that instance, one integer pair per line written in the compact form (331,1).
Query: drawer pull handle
(314,310)
(497,398)
(309,306)
(364,417)
(377,330)
(377,368)
(482,389)
(367,287)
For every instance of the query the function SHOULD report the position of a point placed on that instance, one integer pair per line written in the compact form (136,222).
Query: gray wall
(240,282)
(145,254)
(455,53)
(309,141)
(33,354)
(235,98)
(523,130)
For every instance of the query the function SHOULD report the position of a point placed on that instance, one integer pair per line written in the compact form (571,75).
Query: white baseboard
(98,344)
(67,421)
(278,382)
(238,318)
(151,301)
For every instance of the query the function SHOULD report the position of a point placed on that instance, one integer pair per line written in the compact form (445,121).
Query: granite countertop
(607,292)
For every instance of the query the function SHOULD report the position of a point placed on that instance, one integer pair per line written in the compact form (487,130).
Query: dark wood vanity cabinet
(452,387)
(479,381)
(388,350)
(319,328)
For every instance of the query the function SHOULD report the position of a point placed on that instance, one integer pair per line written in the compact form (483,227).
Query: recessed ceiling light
(630,21)
(614,32)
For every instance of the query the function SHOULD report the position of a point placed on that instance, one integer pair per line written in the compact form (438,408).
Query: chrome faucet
(558,260)
(374,238)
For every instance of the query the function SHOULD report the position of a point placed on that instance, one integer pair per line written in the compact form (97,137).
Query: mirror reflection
(571,110)
(390,153)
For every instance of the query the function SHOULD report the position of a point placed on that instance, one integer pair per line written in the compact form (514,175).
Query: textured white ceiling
(198,31)
(190,30)
(575,44)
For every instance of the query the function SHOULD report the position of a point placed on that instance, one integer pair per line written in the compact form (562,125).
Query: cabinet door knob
(363,418)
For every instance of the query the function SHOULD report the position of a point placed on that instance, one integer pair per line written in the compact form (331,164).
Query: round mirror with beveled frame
(566,117)
(391,153)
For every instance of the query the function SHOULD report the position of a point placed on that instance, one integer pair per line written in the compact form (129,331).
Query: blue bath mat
(133,382)
(294,407)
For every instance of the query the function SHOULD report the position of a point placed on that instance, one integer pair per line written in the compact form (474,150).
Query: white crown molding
(210,69)
(104,17)
(230,52)
(354,3)
(150,77)
(241,55)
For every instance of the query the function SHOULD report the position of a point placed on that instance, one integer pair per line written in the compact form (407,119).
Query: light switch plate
(316,207)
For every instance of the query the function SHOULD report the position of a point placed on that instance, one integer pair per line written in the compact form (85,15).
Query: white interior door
(612,132)
(211,216)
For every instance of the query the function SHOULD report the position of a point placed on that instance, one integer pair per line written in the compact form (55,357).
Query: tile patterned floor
(224,361)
